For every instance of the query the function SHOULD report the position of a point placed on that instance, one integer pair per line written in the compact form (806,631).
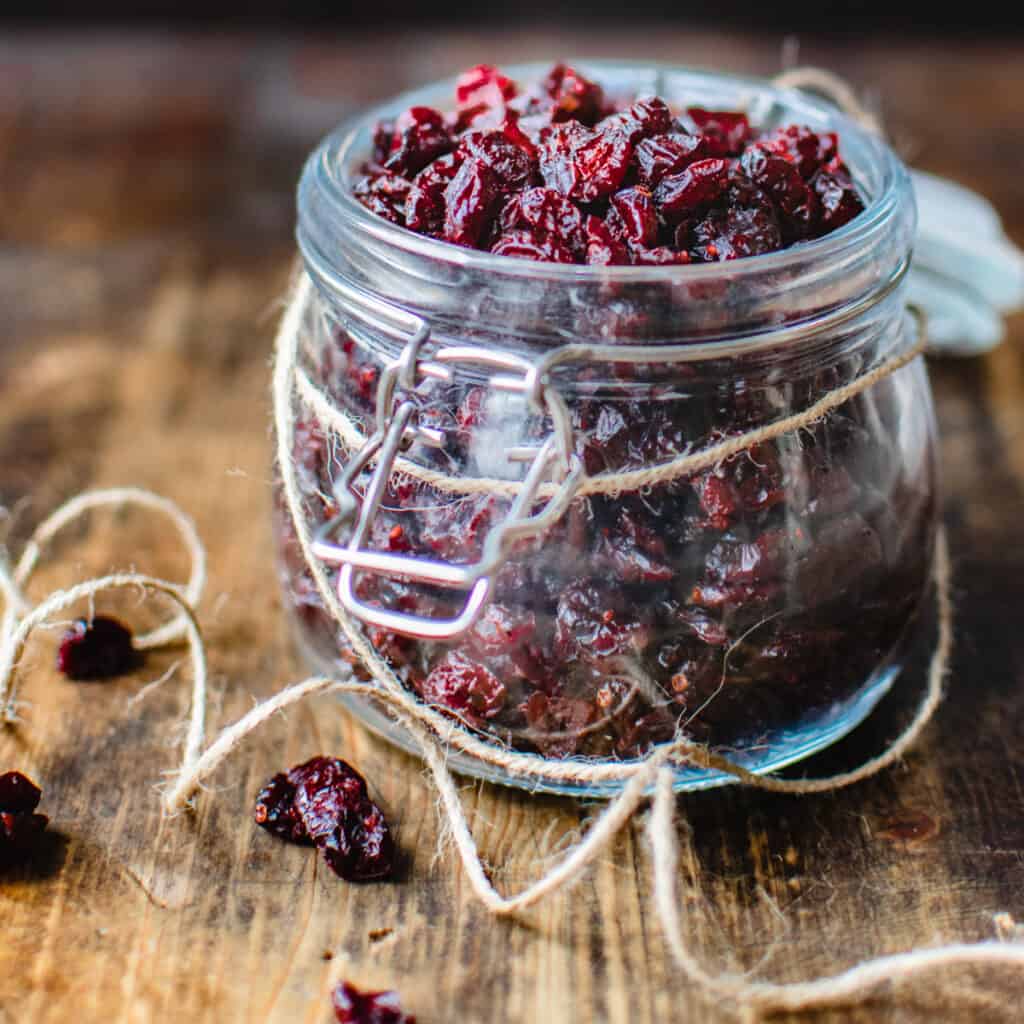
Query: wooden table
(146,223)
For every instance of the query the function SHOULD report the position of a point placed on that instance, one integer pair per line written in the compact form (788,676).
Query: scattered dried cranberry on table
(97,648)
(324,802)
(560,172)
(20,826)
(354,1007)
(744,600)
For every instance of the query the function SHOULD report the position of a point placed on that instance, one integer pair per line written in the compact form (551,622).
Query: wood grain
(145,229)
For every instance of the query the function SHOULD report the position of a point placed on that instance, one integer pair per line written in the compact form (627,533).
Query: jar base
(780,748)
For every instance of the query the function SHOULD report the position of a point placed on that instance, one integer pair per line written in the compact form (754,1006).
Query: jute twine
(436,735)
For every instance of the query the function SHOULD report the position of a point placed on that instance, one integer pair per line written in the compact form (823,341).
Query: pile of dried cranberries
(562,173)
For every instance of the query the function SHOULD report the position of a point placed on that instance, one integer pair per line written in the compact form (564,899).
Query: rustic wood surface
(146,214)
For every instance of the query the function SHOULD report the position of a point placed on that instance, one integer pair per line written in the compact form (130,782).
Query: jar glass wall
(761,605)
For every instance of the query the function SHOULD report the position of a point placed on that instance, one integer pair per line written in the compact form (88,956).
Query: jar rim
(325,169)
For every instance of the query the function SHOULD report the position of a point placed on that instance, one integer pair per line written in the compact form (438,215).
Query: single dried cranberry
(805,149)
(665,154)
(18,794)
(346,826)
(528,244)
(384,194)
(483,86)
(20,828)
(354,1007)
(838,201)
(463,686)
(420,136)
(731,234)
(796,202)
(603,248)
(470,200)
(425,203)
(276,812)
(547,213)
(633,217)
(583,164)
(575,98)
(511,164)
(644,119)
(100,648)
(725,132)
(700,184)
(591,622)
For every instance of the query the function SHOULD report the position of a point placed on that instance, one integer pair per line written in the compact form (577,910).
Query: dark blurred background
(800,16)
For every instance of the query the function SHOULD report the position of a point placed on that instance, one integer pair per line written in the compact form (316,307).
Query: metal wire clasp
(397,428)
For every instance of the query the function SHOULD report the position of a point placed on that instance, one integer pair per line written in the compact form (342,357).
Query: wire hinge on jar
(397,428)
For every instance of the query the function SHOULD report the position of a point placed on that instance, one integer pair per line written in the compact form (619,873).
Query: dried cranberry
(276,812)
(725,132)
(575,97)
(463,686)
(806,150)
(100,648)
(324,801)
(354,1007)
(347,828)
(583,164)
(20,828)
(796,202)
(483,86)
(383,194)
(470,200)
(633,217)
(603,248)
(700,184)
(532,245)
(665,154)
(420,136)
(838,201)
(644,119)
(425,201)
(18,794)
(547,213)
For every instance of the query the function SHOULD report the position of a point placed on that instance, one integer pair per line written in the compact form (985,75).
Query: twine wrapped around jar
(435,733)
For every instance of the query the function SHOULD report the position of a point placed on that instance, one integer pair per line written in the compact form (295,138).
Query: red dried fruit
(603,248)
(575,97)
(383,194)
(644,119)
(97,649)
(425,202)
(666,154)
(470,201)
(511,164)
(701,184)
(354,1007)
(796,202)
(276,812)
(20,828)
(420,137)
(583,164)
(324,801)
(547,213)
(725,132)
(527,244)
(483,86)
(18,793)
(346,826)
(463,686)
(805,149)
(633,217)
(838,201)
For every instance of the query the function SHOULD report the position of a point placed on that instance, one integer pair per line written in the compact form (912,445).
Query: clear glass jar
(763,604)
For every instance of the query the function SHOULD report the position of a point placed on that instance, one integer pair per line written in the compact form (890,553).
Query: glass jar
(561,601)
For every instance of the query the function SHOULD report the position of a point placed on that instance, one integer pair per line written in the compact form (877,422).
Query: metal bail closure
(554,462)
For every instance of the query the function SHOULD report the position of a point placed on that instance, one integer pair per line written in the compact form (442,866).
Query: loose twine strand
(435,734)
